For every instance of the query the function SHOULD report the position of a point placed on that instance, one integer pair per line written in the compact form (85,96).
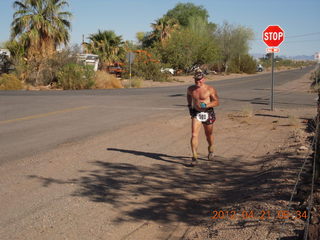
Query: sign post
(272,36)
(272,81)
(130,59)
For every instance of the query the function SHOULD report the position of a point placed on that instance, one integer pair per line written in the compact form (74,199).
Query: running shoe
(193,162)
(210,156)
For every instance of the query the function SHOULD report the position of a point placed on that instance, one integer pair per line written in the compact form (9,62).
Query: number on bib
(202,116)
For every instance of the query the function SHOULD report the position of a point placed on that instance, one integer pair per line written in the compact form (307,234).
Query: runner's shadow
(177,95)
(155,156)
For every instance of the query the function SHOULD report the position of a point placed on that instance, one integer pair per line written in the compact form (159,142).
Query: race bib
(202,116)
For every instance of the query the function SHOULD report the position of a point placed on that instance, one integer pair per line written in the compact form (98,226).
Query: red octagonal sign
(273,36)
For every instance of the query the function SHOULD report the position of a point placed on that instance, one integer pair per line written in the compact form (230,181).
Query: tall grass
(73,76)
(105,80)
(10,82)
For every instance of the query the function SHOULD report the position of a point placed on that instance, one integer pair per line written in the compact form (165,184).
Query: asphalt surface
(35,121)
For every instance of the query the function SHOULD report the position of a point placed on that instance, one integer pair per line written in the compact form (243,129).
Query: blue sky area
(299,19)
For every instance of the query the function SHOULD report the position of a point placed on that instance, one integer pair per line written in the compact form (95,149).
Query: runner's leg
(196,126)
(208,129)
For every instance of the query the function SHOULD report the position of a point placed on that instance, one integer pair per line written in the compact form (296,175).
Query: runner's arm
(214,99)
(189,98)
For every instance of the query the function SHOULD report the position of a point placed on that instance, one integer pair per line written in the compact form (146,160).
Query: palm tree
(41,25)
(107,45)
(163,28)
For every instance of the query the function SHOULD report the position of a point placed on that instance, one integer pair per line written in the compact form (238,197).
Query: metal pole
(272,80)
(130,68)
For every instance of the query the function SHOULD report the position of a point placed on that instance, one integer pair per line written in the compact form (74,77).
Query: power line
(303,35)
(317,40)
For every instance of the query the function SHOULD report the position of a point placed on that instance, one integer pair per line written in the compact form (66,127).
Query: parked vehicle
(168,70)
(260,68)
(116,68)
(5,63)
(89,59)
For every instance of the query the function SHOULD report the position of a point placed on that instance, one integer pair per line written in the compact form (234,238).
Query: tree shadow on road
(168,192)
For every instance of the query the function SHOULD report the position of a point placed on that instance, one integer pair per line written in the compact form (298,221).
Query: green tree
(41,25)
(184,11)
(107,45)
(140,36)
(194,44)
(233,43)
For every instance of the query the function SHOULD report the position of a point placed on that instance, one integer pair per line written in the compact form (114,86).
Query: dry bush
(105,80)
(136,82)
(294,121)
(10,82)
(246,112)
(298,135)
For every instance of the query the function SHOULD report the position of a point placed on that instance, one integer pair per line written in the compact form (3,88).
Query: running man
(202,98)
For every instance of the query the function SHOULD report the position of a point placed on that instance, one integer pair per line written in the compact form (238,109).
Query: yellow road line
(43,115)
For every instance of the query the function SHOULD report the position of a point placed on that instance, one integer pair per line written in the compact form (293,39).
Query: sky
(300,19)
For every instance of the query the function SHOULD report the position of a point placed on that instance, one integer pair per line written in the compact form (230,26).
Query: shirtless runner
(202,98)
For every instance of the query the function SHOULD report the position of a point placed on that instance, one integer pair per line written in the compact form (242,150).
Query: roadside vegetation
(281,63)
(178,42)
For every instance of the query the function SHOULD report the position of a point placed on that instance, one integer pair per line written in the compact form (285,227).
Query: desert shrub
(10,82)
(233,66)
(149,71)
(43,71)
(315,77)
(146,66)
(51,66)
(242,64)
(105,80)
(136,82)
(248,64)
(280,62)
(75,76)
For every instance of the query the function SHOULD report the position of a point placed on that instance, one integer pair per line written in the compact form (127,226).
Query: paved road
(36,121)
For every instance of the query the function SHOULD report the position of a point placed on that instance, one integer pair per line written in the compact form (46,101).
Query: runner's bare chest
(201,94)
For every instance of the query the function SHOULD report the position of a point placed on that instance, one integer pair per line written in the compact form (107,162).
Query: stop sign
(273,36)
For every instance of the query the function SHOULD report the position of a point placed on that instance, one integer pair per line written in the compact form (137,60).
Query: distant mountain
(298,57)
(257,55)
